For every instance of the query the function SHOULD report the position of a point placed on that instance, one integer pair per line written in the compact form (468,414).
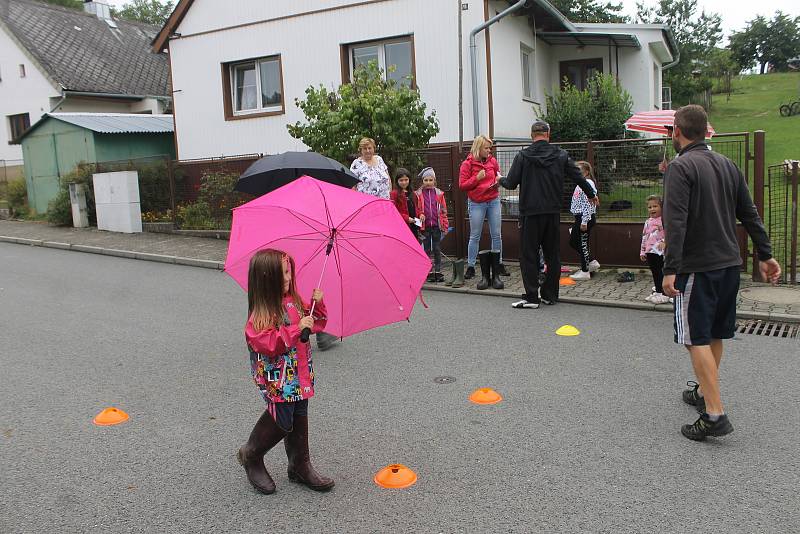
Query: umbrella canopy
(271,172)
(376,266)
(656,122)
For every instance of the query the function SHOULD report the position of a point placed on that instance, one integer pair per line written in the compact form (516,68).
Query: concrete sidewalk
(756,301)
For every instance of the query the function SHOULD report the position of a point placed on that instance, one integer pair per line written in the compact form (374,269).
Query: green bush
(62,215)
(196,216)
(59,210)
(17,195)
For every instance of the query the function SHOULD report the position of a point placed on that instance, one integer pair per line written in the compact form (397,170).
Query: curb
(216,265)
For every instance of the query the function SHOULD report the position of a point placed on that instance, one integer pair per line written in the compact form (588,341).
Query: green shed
(54,145)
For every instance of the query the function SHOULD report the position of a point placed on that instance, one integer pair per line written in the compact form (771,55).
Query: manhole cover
(776,295)
(444,379)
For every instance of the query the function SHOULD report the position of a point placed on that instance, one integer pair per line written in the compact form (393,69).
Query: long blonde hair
(265,289)
(477,144)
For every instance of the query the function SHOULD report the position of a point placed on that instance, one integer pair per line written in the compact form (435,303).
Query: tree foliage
(591,11)
(767,42)
(696,33)
(597,112)
(392,114)
(148,11)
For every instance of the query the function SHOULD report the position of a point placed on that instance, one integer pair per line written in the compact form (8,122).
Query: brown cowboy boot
(265,435)
(300,468)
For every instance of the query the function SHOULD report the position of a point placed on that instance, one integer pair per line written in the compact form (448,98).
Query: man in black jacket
(704,194)
(540,170)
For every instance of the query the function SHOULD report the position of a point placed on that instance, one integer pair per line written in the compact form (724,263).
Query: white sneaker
(649,298)
(594,265)
(659,298)
(653,290)
(524,304)
(581,275)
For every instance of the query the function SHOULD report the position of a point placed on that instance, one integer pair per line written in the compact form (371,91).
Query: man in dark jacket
(704,194)
(540,170)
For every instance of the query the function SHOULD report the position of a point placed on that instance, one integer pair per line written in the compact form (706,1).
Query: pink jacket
(441,203)
(280,362)
(653,237)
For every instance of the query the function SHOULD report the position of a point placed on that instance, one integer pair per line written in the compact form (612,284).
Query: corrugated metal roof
(622,40)
(118,122)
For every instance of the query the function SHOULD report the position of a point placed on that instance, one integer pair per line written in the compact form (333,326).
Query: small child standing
(405,200)
(652,249)
(434,220)
(281,368)
(585,219)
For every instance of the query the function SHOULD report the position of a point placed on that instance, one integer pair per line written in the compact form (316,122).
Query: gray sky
(735,13)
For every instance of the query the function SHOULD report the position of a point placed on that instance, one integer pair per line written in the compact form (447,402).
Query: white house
(237,67)
(58,59)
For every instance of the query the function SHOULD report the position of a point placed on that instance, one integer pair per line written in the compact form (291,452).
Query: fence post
(172,203)
(793,260)
(459,214)
(758,187)
(590,155)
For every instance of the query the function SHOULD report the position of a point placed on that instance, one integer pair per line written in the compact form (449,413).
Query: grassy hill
(754,104)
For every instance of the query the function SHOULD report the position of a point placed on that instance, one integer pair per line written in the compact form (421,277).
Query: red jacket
(483,190)
(441,203)
(401,203)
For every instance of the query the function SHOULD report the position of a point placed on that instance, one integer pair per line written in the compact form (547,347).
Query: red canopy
(656,122)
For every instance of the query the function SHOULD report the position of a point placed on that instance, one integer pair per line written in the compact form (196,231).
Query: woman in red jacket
(479,178)
(405,200)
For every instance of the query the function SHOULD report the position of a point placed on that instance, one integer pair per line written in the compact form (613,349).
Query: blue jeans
(478,211)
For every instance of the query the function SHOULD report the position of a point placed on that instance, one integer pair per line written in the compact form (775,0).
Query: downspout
(474,60)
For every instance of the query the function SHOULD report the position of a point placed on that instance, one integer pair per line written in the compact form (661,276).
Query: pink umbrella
(378,265)
(656,122)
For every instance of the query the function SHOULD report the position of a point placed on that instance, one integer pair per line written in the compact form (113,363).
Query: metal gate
(781,216)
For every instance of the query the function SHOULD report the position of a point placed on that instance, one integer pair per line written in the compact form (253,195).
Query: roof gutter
(119,96)
(674,46)
(474,60)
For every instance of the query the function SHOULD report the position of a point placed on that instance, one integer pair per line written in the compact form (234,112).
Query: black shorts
(706,307)
(283,412)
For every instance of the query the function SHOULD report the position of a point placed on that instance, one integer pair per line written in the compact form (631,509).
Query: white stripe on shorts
(682,330)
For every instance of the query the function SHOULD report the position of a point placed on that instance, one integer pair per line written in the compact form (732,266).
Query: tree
(783,41)
(392,114)
(723,67)
(590,11)
(597,112)
(696,35)
(147,11)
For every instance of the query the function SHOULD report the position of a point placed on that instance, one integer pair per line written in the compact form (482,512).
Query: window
(253,88)
(527,60)
(18,124)
(395,57)
(578,73)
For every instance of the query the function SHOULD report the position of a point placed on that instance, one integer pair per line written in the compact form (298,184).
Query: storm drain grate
(768,328)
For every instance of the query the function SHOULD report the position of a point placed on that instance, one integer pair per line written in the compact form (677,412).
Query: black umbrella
(271,172)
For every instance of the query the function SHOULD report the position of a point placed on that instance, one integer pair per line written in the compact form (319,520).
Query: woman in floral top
(371,170)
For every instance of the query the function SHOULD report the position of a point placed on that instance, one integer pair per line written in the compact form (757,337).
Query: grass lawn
(754,104)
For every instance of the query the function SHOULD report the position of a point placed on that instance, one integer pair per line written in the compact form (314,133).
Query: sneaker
(692,398)
(431,278)
(581,275)
(704,427)
(594,265)
(659,298)
(438,277)
(524,304)
(469,273)
(653,289)
(548,302)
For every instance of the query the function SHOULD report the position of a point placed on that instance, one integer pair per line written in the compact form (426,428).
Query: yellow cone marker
(395,476)
(110,416)
(485,396)
(568,330)
(566,281)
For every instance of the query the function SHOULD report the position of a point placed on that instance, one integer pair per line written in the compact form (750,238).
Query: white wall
(30,94)
(100,105)
(310,53)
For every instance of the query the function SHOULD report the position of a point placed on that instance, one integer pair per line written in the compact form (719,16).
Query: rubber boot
(497,283)
(458,273)
(485,260)
(300,468)
(265,435)
(450,282)
(325,341)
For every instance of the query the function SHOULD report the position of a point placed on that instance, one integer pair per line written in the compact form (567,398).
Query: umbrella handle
(306,333)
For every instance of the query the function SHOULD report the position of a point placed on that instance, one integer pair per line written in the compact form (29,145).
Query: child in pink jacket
(652,249)
(434,220)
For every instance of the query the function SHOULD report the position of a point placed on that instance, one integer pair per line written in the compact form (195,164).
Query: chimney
(99,9)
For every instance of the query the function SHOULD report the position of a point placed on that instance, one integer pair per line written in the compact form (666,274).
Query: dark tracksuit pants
(580,240)
(656,263)
(540,230)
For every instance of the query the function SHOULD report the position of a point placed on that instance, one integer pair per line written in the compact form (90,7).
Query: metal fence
(781,216)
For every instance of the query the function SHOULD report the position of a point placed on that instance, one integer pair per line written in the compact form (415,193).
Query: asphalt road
(586,440)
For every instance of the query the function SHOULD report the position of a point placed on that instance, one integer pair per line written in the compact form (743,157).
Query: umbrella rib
(371,234)
(369,262)
(262,245)
(290,211)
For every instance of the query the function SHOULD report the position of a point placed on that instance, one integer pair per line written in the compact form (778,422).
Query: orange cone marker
(485,396)
(566,281)
(395,476)
(110,416)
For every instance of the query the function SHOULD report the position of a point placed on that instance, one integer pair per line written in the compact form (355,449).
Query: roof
(112,123)
(82,53)
(621,40)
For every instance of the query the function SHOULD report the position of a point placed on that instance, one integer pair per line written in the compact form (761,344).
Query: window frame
(346,55)
(229,89)
(584,64)
(12,123)
(525,50)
